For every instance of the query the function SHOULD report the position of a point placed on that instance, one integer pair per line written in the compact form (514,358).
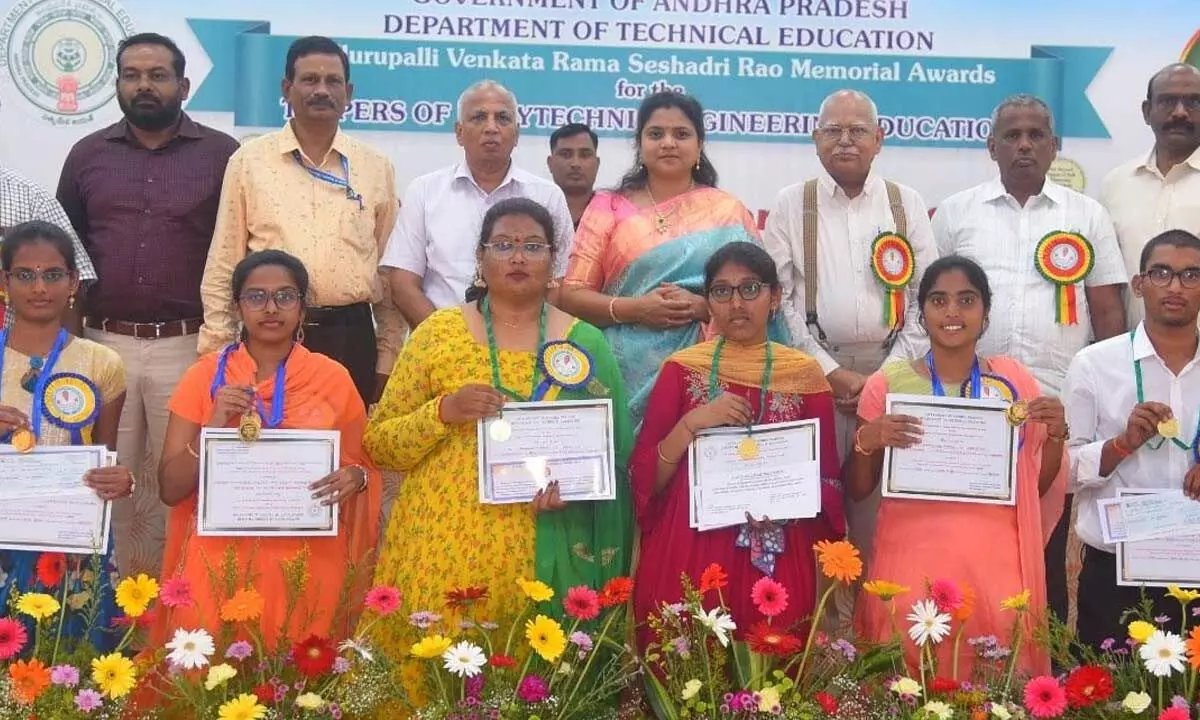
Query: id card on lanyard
(332,179)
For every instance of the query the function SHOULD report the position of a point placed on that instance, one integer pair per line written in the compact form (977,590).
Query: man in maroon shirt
(143,195)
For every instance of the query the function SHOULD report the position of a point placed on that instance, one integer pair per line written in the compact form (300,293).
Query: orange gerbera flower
(1193,648)
(616,592)
(245,605)
(29,680)
(839,560)
(713,578)
(967,608)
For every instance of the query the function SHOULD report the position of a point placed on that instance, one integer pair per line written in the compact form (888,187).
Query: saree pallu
(619,252)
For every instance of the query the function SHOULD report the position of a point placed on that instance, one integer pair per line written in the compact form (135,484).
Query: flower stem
(1018,635)
(588,665)
(954,660)
(812,632)
(62,619)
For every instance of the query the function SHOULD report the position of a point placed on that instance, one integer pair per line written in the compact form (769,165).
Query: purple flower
(489,626)
(466,625)
(682,647)
(240,650)
(846,648)
(424,620)
(1196,612)
(583,641)
(335,712)
(1107,644)
(1160,619)
(1179,702)
(474,687)
(341,666)
(88,700)
(533,689)
(64,675)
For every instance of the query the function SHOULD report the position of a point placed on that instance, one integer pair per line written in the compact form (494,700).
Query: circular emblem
(566,364)
(892,260)
(61,55)
(71,401)
(994,388)
(1064,258)
(1068,173)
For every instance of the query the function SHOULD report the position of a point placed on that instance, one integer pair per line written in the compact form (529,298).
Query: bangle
(612,311)
(664,458)
(858,448)
(365,477)
(192,452)
(1119,447)
(1066,433)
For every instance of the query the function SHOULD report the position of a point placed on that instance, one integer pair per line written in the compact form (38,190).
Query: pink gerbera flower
(1045,698)
(533,689)
(176,593)
(1175,713)
(946,595)
(582,603)
(383,599)
(12,638)
(769,597)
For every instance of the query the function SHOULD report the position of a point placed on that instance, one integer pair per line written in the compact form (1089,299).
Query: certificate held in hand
(967,452)
(261,488)
(44,505)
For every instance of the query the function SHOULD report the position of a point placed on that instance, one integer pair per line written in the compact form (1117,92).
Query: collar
(830,189)
(462,172)
(994,190)
(1143,348)
(288,142)
(121,130)
(1150,164)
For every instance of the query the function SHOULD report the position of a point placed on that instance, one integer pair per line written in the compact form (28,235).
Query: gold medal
(500,430)
(250,428)
(1169,428)
(1017,413)
(23,440)
(748,449)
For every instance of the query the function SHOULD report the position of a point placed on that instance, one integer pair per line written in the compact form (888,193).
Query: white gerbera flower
(1163,653)
(190,649)
(938,709)
(929,625)
(464,659)
(359,646)
(719,623)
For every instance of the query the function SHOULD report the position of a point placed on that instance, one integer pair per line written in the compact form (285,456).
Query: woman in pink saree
(637,264)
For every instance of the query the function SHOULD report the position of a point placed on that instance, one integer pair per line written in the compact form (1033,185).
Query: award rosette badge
(72,402)
(892,262)
(565,365)
(994,388)
(1065,258)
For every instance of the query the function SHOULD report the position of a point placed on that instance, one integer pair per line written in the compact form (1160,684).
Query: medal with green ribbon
(892,262)
(1064,258)
(500,429)
(1167,429)
(748,447)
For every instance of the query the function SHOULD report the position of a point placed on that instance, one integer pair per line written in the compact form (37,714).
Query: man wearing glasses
(851,248)
(1159,191)
(1133,403)
(431,254)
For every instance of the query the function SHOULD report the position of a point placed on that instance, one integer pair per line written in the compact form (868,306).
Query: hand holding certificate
(263,488)
(1157,561)
(44,504)
(1147,516)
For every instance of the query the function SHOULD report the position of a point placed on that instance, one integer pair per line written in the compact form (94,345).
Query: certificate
(966,454)
(44,505)
(1148,515)
(1158,562)
(261,488)
(535,443)
(783,482)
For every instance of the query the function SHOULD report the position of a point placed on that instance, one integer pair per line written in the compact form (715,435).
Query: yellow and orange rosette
(893,263)
(1064,258)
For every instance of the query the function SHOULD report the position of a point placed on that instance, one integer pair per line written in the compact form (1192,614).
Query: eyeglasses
(25,276)
(1169,102)
(285,299)
(503,247)
(858,133)
(1160,276)
(747,290)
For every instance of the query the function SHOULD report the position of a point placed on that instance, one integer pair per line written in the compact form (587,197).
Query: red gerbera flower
(616,592)
(941,686)
(582,603)
(713,578)
(463,597)
(502,661)
(314,656)
(50,569)
(827,702)
(1088,685)
(767,640)
(265,694)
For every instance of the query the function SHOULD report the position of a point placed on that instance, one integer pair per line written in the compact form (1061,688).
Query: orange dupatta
(792,371)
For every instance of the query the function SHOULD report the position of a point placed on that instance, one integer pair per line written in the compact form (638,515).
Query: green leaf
(660,699)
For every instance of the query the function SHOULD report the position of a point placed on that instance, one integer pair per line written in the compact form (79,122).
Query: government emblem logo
(61,55)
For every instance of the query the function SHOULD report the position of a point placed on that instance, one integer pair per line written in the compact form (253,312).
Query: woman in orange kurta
(270,289)
(995,550)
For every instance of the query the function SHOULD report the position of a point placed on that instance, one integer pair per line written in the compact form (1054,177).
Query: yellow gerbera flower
(1140,630)
(242,707)
(134,594)
(1187,597)
(431,647)
(114,674)
(546,637)
(38,606)
(535,590)
(1018,602)
(883,589)
(218,675)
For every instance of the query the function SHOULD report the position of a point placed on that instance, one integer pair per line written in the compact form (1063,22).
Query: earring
(697,164)
(479,282)
(921,323)
(552,285)
(300,334)
(241,332)
(71,301)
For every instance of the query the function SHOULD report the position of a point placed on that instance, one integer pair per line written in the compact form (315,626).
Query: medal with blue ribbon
(253,421)
(331,178)
(993,387)
(984,386)
(22,439)
(563,364)
(973,387)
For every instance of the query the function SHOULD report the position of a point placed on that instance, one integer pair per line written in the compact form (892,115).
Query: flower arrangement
(574,669)
(60,655)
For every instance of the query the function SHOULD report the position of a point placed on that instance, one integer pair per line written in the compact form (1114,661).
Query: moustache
(145,97)
(1180,125)
(321,102)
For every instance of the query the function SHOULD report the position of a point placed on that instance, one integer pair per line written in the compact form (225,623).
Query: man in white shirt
(432,251)
(1117,393)
(1159,191)
(1052,256)
(823,235)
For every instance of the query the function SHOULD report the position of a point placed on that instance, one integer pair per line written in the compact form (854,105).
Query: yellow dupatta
(792,372)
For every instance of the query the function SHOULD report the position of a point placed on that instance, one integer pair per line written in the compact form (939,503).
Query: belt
(146,330)
(337,315)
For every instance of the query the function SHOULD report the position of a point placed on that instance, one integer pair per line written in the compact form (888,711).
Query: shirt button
(146,211)
(149,180)
(140,280)
(141,245)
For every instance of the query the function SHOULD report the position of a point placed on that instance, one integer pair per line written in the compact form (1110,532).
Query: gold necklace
(661,219)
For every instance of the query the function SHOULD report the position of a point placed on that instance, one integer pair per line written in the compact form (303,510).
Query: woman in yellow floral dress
(460,365)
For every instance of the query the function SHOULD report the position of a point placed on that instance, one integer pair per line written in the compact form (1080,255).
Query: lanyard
(330,178)
(494,354)
(1141,398)
(39,390)
(976,390)
(715,371)
(276,417)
